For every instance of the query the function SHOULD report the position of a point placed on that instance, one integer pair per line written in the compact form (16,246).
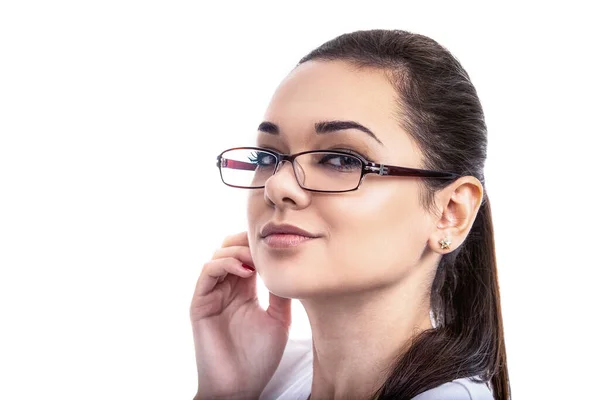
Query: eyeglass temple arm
(233,164)
(382,169)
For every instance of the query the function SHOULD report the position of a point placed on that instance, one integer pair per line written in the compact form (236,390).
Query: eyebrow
(322,127)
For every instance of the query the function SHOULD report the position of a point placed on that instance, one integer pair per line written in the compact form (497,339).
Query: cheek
(252,207)
(256,207)
(384,230)
(374,236)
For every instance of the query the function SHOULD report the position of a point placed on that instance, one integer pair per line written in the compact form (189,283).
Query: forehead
(335,90)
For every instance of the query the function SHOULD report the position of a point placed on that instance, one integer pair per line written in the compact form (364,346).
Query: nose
(279,164)
(282,189)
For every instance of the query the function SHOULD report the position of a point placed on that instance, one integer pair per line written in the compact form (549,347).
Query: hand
(238,344)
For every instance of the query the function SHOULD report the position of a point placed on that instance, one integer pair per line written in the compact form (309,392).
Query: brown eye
(340,162)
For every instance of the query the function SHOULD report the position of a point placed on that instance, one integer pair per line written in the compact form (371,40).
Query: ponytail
(468,340)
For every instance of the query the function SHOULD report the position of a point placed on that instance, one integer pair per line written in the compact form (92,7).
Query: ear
(459,203)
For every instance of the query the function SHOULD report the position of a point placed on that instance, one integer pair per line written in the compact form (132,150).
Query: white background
(112,114)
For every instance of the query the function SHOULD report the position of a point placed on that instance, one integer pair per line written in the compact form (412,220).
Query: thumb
(280,308)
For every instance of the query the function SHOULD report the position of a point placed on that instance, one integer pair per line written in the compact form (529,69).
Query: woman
(367,202)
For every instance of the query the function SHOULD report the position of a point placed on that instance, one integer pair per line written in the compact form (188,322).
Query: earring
(445,243)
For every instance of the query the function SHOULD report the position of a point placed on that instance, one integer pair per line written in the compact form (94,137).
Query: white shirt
(293,379)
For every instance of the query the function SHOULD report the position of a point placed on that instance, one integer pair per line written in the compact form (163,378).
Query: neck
(358,337)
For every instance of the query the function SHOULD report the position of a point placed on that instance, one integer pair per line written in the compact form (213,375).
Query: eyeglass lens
(315,171)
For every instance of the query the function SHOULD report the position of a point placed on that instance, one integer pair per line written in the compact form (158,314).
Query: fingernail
(249,268)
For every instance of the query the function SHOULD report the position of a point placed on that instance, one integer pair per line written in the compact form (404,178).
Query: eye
(262,158)
(341,162)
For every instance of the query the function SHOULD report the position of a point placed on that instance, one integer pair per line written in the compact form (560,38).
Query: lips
(285,229)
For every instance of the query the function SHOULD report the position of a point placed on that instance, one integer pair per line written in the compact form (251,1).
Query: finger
(242,253)
(216,270)
(280,308)
(239,239)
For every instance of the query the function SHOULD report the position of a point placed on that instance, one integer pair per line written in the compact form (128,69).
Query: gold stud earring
(445,243)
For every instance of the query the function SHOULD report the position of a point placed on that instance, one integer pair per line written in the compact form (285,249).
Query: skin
(364,282)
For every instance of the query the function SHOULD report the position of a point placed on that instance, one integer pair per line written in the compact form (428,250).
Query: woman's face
(365,239)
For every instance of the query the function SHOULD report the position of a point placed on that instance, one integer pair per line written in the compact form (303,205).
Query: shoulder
(459,389)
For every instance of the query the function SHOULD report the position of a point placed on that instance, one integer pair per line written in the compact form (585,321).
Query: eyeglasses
(317,171)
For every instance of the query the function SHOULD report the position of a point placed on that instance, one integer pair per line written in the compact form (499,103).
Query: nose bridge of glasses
(291,159)
(280,160)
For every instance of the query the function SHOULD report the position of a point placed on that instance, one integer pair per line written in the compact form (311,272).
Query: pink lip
(285,235)
(271,228)
(284,240)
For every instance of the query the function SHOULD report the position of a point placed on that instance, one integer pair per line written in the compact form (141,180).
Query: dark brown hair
(439,107)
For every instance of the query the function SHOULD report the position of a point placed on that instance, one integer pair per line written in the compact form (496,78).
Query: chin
(283,285)
(302,284)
